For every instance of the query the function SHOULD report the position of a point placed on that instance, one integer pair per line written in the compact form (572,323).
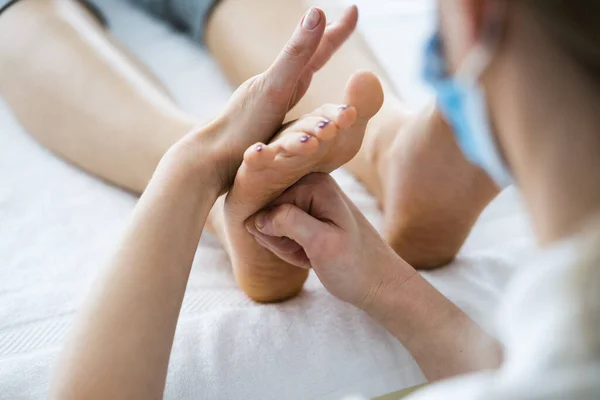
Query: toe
(318,125)
(295,144)
(342,115)
(259,155)
(364,92)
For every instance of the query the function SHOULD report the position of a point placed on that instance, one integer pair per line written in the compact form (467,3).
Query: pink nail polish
(323,123)
(259,147)
(305,138)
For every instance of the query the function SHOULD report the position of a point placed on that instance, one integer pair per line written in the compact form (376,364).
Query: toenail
(304,138)
(323,123)
(259,147)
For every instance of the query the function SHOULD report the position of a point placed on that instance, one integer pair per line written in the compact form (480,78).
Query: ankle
(381,131)
(384,127)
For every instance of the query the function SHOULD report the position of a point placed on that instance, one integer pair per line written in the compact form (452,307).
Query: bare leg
(82,96)
(108,116)
(65,108)
(49,88)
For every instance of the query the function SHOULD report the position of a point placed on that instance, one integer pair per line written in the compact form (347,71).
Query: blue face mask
(461,100)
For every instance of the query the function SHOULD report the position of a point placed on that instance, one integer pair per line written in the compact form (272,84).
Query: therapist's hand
(258,107)
(314,225)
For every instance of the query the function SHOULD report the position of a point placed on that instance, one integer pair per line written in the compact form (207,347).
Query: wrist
(191,166)
(442,339)
(381,298)
(409,307)
(200,159)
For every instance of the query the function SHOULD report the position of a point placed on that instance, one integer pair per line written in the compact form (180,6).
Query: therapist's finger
(299,50)
(335,36)
(287,220)
(284,248)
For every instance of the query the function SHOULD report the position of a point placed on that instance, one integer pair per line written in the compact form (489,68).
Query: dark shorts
(188,15)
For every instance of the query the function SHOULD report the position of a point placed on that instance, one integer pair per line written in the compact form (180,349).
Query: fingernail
(304,138)
(323,123)
(311,19)
(259,147)
(259,222)
(344,107)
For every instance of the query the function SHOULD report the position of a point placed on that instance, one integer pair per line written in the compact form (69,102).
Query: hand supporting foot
(319,142)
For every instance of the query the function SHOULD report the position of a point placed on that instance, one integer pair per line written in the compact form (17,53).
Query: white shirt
(549,324)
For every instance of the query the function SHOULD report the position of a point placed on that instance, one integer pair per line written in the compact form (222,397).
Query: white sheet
(58,226)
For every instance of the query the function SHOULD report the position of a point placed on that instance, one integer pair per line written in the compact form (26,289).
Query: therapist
(519,82)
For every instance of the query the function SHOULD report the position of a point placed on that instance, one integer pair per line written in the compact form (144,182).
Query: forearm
(121,344)
(443,340)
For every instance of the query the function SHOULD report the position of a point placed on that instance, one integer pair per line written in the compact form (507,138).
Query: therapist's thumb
(290,221)
(298,51)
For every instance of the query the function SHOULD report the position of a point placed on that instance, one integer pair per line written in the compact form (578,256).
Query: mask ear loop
(477,61)
(480,57)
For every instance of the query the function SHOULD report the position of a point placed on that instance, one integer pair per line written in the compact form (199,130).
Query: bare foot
(430,194)
(320,142)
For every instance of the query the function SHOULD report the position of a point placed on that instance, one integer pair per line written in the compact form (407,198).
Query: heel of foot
(263,287)
(424,248)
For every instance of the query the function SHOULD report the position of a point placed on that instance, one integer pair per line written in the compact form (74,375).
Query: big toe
(365,93)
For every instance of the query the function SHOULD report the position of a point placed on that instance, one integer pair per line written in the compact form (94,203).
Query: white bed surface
(58,226)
